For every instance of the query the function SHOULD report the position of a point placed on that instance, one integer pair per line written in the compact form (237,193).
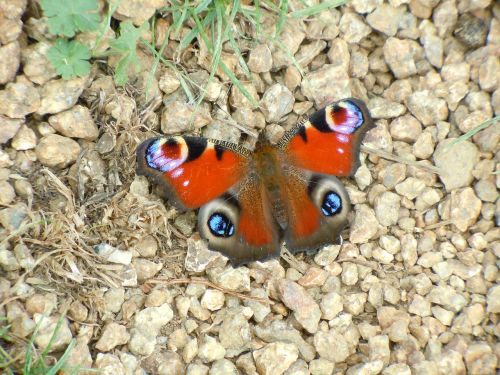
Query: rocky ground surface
(414,288)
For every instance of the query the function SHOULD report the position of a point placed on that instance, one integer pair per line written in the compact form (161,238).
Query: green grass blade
(283,11)
(474,131)
(60,363)
(238,84)
(315,9)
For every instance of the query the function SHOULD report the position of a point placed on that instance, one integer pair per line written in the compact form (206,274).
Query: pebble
(199,257)
(45,335)
(462,157)
(57,151)
(317,86)
(331,305)
(19,99)
(406,128)
(7,193)
(383,108)
(137,11)
(265,358)
(426,107)
(352,28)
(277,102)
(291,37)
(223,367)
(76,122)
(213,300)
(260,59)
(305,309)
(387,207)
(235,334)
(365,225)
(399,55)
(59,95)
(493,300)
(210,350)
(9,64)
(385,19)
(235,279)
(36,65)
(146,269)
(113,335)
(325,341)
(168,82)
(25,139)
(8,128)
(465,208)
(112,254)
(318,366)
(180,117)
(489,74)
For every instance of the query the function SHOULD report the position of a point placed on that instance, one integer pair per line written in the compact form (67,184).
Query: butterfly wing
(314,152)
(328,142)
(191,171)
(240,224)
(194,172)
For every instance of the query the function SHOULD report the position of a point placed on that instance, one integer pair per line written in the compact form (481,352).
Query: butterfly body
(249,200)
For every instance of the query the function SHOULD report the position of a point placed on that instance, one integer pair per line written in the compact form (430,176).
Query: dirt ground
(89,247)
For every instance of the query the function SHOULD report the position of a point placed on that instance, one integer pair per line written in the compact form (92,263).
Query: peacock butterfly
(249,200)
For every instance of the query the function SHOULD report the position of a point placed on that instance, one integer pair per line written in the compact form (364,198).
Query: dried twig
(399,159)
(165,281)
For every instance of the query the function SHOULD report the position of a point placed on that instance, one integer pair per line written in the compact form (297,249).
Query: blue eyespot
(220,225)
(332,204)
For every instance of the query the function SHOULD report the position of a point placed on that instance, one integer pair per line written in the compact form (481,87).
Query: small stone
(372,367)
(430,259)
(146,269)
(305,309)
(238,100)
(110,364)
(199,257)
(277,102)
(260,310)
(24,256)
(25,139)
(355,303)
(420,306)
(465,208)
(152,319)
(291,37)
(405,128)
(489,74)
(46,332)
(383,108)
(197,369)
(471,30)
(210,350)
(138,11)
(9,128)
(7,193)
(325,341)
(461,157)
(423,148)
(410,188)
(113,335)
(8,261)
(379,348)
(308,52)
(451,362)
(76,122)
(180,117)
(392,175)
(353,28)
(223,367)
(399,55)
(426,107)
(317,85)
(318,366)
(493,300)
(112,254)
(19,99)
(213,300)
(387,207)
(313,277)
(36,65)
(260,59)
(235,334)
(385,19)
(447,297)
(275,358)
(364,226)
(57,151)
(434,49)
(236,279)
(397,369)
(168,82)
(11,218)
(60,95)
(331,304)
(9,64)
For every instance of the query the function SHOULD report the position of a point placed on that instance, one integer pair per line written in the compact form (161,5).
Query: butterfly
(248,200)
